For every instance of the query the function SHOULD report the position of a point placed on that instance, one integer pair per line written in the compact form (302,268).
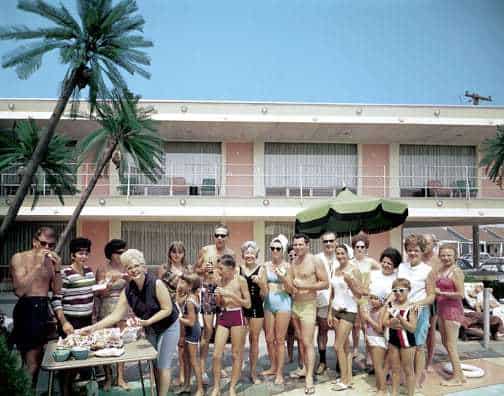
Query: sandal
(309,390)
(340,387)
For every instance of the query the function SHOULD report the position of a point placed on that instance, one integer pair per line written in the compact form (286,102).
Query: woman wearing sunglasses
(401,319)
(277,308)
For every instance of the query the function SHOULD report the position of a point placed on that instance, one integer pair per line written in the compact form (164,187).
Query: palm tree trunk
(100,166)
(38,155)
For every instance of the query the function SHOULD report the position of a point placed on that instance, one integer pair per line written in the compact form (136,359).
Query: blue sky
(344,51)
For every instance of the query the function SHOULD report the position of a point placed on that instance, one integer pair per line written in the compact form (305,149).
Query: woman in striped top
(77,296)
(401,319)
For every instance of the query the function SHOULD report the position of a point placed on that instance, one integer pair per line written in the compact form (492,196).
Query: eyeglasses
(45,244)
(360,246)
(220,236)
(275,248)
(328,240)
(399,290)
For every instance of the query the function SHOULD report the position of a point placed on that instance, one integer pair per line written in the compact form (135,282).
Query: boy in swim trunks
(34,273)
(308,275)
(205,268)
(231,295)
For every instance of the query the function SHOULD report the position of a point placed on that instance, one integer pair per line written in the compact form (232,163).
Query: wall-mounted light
(264,110)
(437,112)
(266,202)
(102,202)
(183,109)
(11,106)
(358,111)
(182,202)
(439,203)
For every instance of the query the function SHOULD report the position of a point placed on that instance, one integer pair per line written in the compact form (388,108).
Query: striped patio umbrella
(349,214)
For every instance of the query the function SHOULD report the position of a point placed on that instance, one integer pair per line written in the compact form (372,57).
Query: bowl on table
(80,353)
(61,354)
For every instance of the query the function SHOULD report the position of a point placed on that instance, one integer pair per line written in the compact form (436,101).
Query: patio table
(134,352)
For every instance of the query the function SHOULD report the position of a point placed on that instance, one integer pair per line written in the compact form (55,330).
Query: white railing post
(468,192)
(129,181)
(44,185)
(215,177)
(301,181)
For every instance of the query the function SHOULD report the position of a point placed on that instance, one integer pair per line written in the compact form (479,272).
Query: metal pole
(476,248)
(129,181)
(486,317)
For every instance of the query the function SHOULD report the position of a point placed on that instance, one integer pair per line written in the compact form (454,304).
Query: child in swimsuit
(372,319)
(401,319)
(190,284)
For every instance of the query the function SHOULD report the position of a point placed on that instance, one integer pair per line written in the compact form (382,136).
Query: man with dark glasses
(34,273)
(328,257)
(206,268)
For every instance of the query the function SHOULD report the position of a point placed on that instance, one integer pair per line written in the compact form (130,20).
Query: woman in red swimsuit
(449,295)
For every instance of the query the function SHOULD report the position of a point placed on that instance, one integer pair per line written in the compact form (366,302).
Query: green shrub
(14,379)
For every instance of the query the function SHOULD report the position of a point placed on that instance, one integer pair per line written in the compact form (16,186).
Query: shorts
(192,334)
(322,312)
(305,311)
(31,323)
(376,341)
(208,304)
(278,302)
(350,317)
(231,318)
(165,344)
(422,328)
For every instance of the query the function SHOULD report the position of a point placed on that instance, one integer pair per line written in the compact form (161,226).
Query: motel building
(254,165)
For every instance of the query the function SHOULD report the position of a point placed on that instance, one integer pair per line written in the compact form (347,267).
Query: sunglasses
(328,240)
(220,236)
(360,246)
(275,248)
(399,290)
(45,244)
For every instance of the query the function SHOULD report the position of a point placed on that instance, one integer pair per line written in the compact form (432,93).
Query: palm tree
(493,157)
(95,48)
(56,171)
(127,131)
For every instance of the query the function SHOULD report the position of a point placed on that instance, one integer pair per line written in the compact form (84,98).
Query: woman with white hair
(256,282)
(149,299)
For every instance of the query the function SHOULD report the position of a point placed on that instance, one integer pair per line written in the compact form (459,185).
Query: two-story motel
(255,165)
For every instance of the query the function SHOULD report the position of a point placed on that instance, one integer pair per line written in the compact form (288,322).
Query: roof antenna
(476,97)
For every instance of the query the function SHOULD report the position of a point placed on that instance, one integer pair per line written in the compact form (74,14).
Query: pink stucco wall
(375,162)
(98,232)
(377,243)
(488,188)
(239,233)
(239,169)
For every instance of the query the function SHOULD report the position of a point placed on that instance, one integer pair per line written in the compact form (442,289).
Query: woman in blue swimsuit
(277,308)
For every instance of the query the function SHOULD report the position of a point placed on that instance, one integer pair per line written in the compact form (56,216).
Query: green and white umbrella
(349,214)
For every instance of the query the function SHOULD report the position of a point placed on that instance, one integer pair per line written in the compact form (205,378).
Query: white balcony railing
(245,180)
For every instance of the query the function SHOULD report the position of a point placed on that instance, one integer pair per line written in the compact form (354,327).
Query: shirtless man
(431,258)
(34,273)
(231,295)
(308,274)
(205,268)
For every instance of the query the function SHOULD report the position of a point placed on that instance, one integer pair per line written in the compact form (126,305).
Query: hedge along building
(254,165)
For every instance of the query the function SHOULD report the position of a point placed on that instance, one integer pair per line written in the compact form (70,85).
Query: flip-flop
(309,390)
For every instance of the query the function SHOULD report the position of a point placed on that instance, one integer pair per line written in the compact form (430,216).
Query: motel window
(313,169)
(437,170)
(188,168)
(154,238)
(272,229)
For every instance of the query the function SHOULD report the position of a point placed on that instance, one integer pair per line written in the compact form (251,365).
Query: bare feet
(453,382)
(254,379)
(215,391)
(279,380)
(199,392)
(270,371)
(430,369)
(108,384)
(123,384)
(232,391)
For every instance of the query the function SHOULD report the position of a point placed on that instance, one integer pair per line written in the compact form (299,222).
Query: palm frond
(60,15)
(493,157)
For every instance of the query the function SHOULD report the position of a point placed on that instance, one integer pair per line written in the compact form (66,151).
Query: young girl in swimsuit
(401,319)
(190,285)
(231,295)
(449,295)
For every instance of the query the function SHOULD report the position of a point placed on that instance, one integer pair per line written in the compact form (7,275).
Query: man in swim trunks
(431,258)
(205,268)
(232,295)
(34,273)
(308,275)
(328,257)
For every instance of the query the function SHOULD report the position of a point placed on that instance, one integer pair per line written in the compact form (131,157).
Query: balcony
(246,181)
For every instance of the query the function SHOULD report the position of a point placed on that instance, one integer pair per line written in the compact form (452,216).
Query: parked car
(464,264)
(493,264)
